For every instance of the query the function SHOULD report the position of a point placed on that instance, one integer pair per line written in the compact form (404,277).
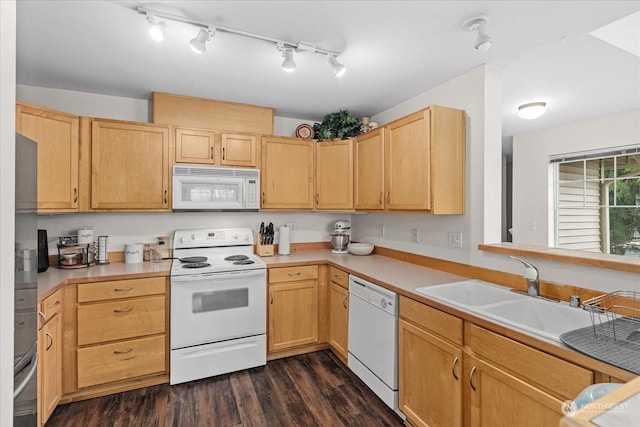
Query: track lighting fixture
(199,42)
(482,41)
(288,64)
(338,68)
(157,30)
(532,110)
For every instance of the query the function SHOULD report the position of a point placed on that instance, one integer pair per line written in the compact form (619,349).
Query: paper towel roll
(284,242)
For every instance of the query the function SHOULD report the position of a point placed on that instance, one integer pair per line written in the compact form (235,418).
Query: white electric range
(218,304)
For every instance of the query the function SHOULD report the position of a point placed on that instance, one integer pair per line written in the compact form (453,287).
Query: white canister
(85,235)
(133,253)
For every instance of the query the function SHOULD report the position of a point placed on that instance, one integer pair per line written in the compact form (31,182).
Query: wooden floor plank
(314,389)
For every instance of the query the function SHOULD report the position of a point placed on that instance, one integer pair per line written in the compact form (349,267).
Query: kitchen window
(597,201)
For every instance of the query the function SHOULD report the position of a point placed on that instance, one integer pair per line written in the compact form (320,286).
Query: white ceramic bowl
(360,248)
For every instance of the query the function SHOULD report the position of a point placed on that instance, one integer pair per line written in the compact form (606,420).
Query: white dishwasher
(373,343)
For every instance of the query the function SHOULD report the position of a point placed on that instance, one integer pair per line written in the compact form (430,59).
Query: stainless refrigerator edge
(26,285)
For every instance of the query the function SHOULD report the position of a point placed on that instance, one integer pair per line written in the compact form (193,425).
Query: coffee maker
(340,237)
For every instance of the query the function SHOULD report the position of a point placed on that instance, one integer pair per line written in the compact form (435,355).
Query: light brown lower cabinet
(338,319)
(477,378)
(50,356)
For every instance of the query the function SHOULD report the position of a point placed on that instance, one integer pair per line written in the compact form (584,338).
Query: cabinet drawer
(116,289)
(52,305)
(558,377)
(127,359)
(447,326)
(340,277)
(118,320)
(292,274)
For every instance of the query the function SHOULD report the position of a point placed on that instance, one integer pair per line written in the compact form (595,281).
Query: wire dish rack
(616,316)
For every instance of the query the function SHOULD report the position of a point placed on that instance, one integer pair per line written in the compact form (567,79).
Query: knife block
(263,250)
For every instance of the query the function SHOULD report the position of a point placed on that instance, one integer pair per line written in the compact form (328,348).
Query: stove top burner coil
(244,262)
(196,265)
(236,258)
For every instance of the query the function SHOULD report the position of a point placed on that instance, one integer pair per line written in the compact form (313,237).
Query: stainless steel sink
(533,315)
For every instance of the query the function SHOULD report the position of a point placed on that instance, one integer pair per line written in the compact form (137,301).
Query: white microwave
(208,188)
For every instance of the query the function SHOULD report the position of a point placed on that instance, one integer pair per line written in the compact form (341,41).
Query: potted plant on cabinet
(341,125)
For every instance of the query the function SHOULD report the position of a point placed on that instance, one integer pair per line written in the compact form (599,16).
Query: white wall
(531,151)
(7,221)
(531,187)
(478,92)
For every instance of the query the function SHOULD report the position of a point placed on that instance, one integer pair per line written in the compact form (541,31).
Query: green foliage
(340,125)
(624,221)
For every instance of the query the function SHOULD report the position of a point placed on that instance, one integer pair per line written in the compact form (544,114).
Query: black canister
(43,251)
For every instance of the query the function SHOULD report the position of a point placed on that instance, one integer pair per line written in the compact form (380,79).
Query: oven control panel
(212,237)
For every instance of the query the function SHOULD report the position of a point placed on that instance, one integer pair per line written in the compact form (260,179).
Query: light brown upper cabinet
(334,175)
(369,169)
(287,173)
(216,148)
(57,136)
(424,164)
(130,166)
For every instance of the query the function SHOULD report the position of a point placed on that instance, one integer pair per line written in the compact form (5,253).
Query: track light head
(338,68)
(288,64)
(157,29)
(199,42)
(477,26)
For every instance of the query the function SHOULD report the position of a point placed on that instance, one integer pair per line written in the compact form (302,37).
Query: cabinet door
(407,166)
(334,175)
(129,166)
(369,171)
(239,150)
(500,399)
(287,173)
(430,372)
(195,146)
(57,136)
(50,367)
(338,319)
(293,314)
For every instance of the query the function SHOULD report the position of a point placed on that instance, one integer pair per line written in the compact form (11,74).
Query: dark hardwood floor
(314,389)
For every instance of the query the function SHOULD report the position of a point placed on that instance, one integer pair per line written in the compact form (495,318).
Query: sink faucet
(531,274)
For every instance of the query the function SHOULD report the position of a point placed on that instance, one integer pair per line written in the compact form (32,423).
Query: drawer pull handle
(380,198)
(55,304)
(50,341)
(43,318)
(453,368)
(223,154)
(165,197)
(129,350)
(122,289)
(388,198)
(317,198)
(122,310)
(473,371)
(211,153)
(271,294)
(264,198)
(344,302)
(337,277)
(75,195)
(294,274)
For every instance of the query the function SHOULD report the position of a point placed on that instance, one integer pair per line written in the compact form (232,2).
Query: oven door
(206,308)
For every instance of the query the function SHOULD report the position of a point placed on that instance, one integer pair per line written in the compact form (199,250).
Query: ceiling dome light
(288,64)
(533,110)
(199,42)
(482,41)
(338,68)
(157,30)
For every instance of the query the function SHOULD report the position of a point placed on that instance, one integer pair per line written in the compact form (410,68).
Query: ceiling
(393,50)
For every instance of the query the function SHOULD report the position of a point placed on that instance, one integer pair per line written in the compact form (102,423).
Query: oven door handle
(219,276)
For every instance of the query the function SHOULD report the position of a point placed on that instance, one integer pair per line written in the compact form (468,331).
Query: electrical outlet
(291,225)
(455,239)
(381,230)
(415,235)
